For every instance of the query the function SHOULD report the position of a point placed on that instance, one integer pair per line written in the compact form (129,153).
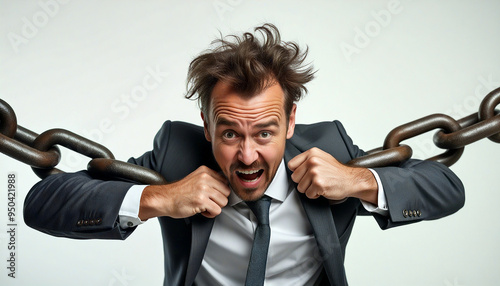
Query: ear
(205,127)
(291,122)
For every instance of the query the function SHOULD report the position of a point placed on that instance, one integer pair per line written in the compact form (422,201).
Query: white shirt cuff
(382,201)
(128,215)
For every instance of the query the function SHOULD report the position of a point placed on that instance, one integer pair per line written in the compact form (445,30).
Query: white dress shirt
(293,257)
(290,260)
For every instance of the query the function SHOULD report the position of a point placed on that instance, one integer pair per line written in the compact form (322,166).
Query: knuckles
(202,188)
(203,168)
(314,161)
(318,182)
(199,199)
(314,172)
(204,176)
(315,150)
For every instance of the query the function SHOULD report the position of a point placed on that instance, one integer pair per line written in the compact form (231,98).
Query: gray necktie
(257,266)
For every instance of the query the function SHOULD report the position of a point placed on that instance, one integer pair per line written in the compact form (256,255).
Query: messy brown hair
(249,66)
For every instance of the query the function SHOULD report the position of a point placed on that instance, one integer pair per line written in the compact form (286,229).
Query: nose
(248,152)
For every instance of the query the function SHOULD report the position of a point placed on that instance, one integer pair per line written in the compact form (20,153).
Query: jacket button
(92,222)
(79,223)
(419,213)
(414,213)
(86,222)
(405,213)
(98,221)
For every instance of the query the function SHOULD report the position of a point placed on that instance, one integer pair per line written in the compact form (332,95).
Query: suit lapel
(320,216)
(200,233)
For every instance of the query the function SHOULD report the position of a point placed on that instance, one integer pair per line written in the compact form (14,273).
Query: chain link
(43,155)
(453,136)
(422,125)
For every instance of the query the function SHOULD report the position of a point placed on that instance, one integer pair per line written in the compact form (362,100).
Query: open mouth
(249,175)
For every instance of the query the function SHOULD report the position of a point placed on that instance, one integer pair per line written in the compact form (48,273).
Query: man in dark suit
(249,150)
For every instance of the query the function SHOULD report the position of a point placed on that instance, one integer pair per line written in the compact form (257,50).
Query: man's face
(248,136)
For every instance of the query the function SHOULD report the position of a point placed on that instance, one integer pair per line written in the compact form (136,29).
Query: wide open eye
(229,135)
(265,135)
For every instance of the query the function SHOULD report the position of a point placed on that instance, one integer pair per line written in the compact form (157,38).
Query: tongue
(249,177)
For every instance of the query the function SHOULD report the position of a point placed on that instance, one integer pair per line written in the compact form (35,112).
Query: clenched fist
(317,174)
(203,191)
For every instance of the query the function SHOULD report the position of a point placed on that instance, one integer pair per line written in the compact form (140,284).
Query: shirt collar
(278,188)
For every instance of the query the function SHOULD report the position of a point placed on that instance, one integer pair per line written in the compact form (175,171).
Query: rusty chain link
(43,155)
(453,136)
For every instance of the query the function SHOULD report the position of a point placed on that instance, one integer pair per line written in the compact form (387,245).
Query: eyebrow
(267,124)
(223,121)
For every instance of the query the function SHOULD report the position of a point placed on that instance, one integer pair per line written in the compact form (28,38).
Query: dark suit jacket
(77,206)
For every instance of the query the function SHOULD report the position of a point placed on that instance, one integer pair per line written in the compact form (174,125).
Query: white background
(72,64)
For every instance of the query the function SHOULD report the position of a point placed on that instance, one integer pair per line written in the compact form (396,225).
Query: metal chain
(43,155)
(452,136)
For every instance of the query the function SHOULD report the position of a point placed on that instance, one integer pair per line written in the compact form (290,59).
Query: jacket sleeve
(416,190)
(75,205)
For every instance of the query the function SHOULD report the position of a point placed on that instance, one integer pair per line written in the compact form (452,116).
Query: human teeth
(249,172)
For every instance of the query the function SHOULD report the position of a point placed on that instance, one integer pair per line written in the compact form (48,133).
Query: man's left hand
(317,174)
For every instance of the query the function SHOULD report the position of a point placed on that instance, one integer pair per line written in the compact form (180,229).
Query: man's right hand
(203,191)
